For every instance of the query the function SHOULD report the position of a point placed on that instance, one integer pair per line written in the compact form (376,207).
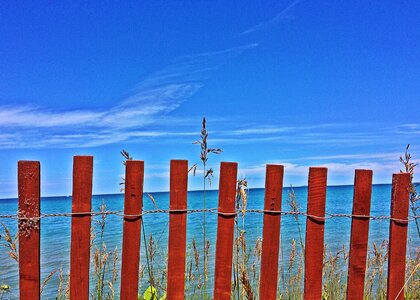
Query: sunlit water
(55,231)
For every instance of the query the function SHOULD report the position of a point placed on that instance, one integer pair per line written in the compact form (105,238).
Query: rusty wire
(120,213)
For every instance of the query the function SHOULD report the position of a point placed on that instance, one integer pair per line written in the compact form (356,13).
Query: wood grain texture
(225,231)
(29,230)
(80,227)
(398,235)
(314,245)
(177,229)
(133,202)
(271,232)
(359,234)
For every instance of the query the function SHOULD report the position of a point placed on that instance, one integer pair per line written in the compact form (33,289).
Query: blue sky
(300,83)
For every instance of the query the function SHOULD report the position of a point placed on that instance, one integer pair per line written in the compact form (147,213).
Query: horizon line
(208,190)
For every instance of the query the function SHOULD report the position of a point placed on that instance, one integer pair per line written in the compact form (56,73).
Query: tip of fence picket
(363,170)
(134,161)
(318,168)
(24,162)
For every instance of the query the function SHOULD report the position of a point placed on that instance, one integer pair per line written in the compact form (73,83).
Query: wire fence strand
(120,213)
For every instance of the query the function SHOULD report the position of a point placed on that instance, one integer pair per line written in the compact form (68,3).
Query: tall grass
(104,261)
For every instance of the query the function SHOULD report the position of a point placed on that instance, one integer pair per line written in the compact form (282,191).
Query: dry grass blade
(11,243)
(110,283)
(214,150)
(60,283)
(193,168)
(48,278)
(246,285)
(292,256)
(114,265)
(111,293)
(123,184)
(153,200)
(209,175)
(67,293)
(141,272)
(241,195)
(258,248)
(408,279)
(196,255)
(126,155)
(206,255)
(414,196)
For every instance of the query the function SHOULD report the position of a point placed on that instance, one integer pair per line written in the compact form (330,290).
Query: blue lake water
(55,231)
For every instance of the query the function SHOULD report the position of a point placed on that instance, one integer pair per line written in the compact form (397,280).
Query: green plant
(334,274)
(375,283)
(4,289)
(412,284)
(293,281)
(63,291)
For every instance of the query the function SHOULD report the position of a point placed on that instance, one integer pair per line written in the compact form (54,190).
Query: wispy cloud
(361,156)
(155,96)
(31,116)
(315,134)
(284,14)
(267,130)
(338,173)
(405,129)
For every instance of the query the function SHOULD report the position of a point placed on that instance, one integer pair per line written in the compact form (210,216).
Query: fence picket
(398,235)
(80,227)
(271,232)
(29,230)
(314,244)
(133,201)
(359,234)
(225,227)
(177,229)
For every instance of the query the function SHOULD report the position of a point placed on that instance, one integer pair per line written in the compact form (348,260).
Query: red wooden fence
(177,229)
(225,227)
(133,202)
(314,244)
(29,231)
(29,236)
(359,234)
(398,235)
(80,227)
(271,233)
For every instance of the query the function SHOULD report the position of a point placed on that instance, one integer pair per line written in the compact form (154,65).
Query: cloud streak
(338,173)
(274,21)
(157,95)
